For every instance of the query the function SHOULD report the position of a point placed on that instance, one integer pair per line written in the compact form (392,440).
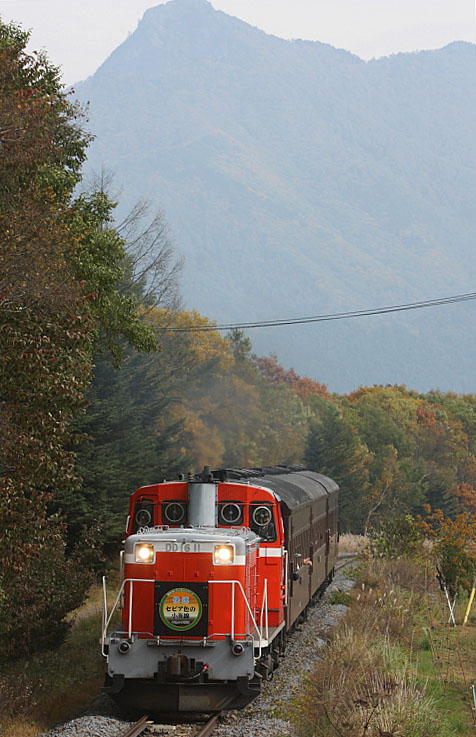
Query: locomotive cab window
(143,514)
(262,521)
(174,513)
(230,513)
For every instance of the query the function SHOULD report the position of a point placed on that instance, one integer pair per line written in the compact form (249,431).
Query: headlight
(144,553)
(223,554)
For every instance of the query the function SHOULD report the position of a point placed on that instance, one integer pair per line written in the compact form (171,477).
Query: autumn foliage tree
(52,318)
(304,387)
(453,547)
(420,451)
(45,336)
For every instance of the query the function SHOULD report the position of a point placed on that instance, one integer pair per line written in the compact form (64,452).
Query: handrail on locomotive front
(263,626)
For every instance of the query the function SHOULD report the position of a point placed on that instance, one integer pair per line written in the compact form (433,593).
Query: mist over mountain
(299,180)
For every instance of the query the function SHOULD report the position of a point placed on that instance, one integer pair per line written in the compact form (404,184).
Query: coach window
(143,514)
(262,521)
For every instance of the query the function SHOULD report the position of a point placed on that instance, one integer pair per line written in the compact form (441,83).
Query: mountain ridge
(295,174)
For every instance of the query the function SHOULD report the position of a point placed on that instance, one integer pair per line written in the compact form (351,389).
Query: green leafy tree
(395,537)
(100,261)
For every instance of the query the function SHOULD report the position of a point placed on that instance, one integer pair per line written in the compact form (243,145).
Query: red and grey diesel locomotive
(217,570)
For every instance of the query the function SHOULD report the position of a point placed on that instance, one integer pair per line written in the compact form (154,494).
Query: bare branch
(155,266)
(155,269)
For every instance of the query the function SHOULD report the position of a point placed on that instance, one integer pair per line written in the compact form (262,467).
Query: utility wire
(325,318)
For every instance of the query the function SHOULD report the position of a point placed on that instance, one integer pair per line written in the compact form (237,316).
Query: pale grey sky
(80,34)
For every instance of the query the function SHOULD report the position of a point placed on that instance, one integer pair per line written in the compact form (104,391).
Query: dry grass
(352,543)
(52,685)
(24,729)
(381,676)
(357,691)
(392,598)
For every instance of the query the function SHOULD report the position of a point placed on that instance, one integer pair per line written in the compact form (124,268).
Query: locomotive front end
(190,629)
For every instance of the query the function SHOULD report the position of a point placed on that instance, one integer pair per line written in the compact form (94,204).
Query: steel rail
(209,726)
(137,728)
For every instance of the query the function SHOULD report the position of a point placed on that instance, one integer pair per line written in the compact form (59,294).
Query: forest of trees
(98,395)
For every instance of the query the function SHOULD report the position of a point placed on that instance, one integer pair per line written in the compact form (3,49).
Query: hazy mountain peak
(177,7)
(189,4)
(460,46)
(184,20)
(302,180)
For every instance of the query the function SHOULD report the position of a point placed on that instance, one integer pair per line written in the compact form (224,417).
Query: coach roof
(294,485)
(297,489)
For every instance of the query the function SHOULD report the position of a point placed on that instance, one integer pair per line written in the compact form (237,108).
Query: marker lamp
(223,555)
(144,553)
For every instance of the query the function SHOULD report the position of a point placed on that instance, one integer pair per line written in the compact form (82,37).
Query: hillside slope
(298,179)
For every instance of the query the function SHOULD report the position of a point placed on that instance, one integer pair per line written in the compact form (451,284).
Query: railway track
(350,557)
(143,723)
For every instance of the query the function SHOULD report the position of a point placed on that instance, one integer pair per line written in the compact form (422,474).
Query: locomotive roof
(294,485)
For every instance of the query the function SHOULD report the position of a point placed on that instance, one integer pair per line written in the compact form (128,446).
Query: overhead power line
(325,318)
